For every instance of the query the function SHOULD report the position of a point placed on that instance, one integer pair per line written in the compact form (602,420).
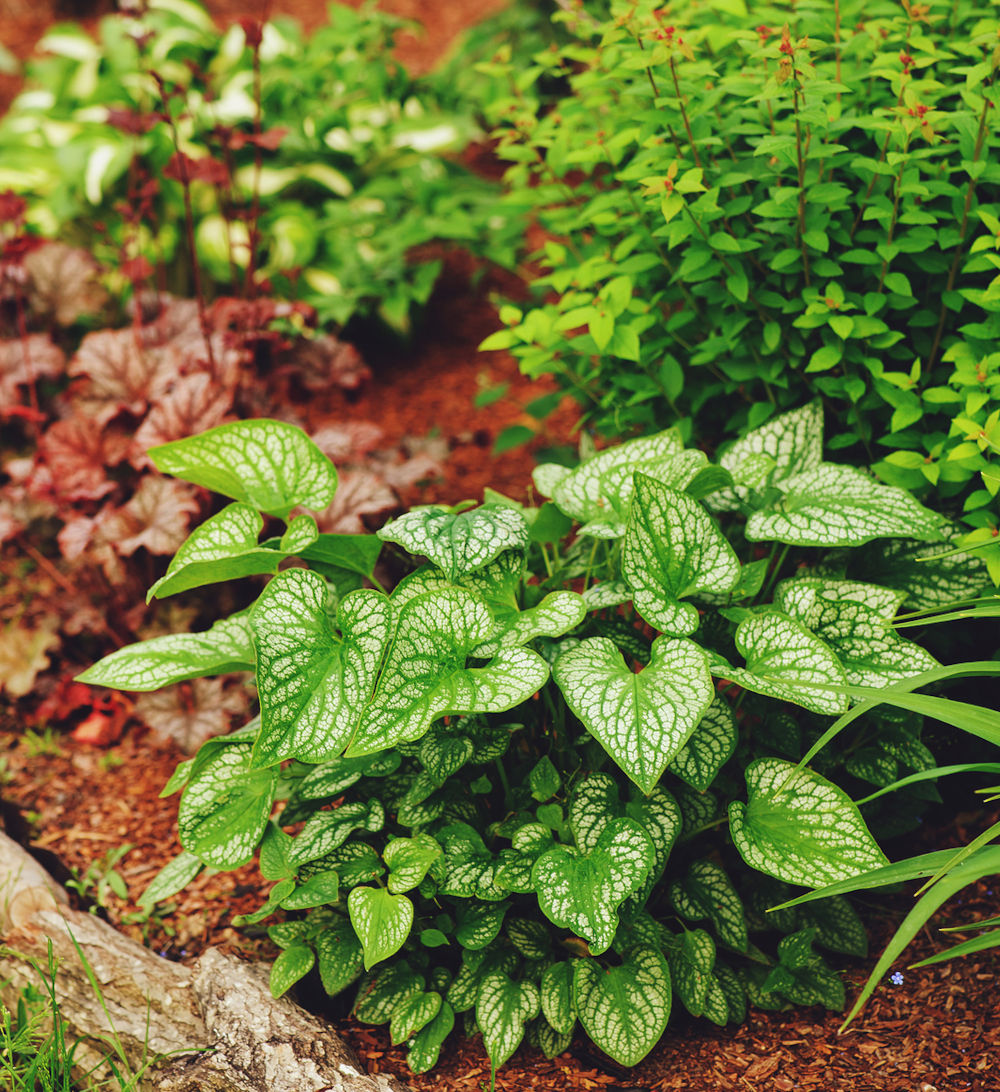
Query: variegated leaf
(271,465)
(459,542)
(293,963)
(673,550)
(709,747)
(593,805)
(550,1042)
(691,958)
(624,1009)
(557,997)
(787,661)
(503,1007)
(161,661)
(715,1006)
(381,920)
(326,831)
(556,614)
(381,992)
(478,924)
(609,593)
(313,683)
(800,827)
(583,893)
(706,892)
(642,720)
(408,860)
(427,1043)
(412,1014)
(339,955)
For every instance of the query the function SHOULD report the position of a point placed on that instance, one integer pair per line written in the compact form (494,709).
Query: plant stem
(802,184)
(684,114)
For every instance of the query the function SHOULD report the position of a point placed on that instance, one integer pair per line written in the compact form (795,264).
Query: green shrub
(315,162)
(742,217)
(506,784)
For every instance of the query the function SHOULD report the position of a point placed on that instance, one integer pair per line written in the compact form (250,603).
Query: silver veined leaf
(478,924)
(293,963)
(557,997)
(427,1043)
(556,614)
(381,920)
(798,595)
(547,1039)
(624,1009)
(609,593)
(409,860)
(836,925)
(787,661)
(800,827)
(269,464)
(593,805)
(673,550)
(412,1014)
(530,937)
(496,582)
(382,991)
(692,957)
(546,476)
(299,535)
(458,542)
(148,665)
(642,720)
(339,955)
(660,817)
(225,807)
(715,1006)
(706,892)
(732,987)
(442,753)
(708,748)
(503,1007)
(834,505)
(313,683)
(583,892)
(326,831)
(322,889)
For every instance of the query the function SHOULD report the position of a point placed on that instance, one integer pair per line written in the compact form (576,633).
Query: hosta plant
(536,784)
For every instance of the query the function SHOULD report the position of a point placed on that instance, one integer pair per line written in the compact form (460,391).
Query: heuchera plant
(536,784)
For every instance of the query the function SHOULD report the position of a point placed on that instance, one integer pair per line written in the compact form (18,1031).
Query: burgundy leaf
(194,404)
(78,454)
(359,493)
(26,360)
(349,442)
(190,713)
(123,374)
(63,283)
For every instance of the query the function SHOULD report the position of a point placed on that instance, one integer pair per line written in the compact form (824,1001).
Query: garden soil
(937,1031)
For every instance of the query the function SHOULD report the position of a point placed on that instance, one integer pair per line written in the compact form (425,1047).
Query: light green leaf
(460,542)
(557,997)
(594,804)
(556,614)
(268,464)
(583,893)
(673,550)
(544,780)
(706,892)
(624,1009)
(427,1043)
(313,683)
(322,889)
(785,660)
(339,954)
(502,1009)
(609,593)
(381,920)
(691,958)
(225,807)
(408,860)
(161,661)
(355,553)
(800,827)
(709,747)
(381,992)
(546,476)
(412,1014)
(836,505)
(172,877)
(479,923)
(641,720)
(326,831)
(293,963)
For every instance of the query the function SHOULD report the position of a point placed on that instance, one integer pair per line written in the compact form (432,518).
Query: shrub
(311,165)
(743,216)
(506,784)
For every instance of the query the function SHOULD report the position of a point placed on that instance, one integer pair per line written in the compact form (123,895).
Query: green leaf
(583,892)
(544,780)
(339,955)
(460,542)
(382,922)
(785,660)
(556,614)
(479,923)
(293,963)
(408,860)
(380,993)
(225,807)
(326,831)
(427,1043)
(172,877)
(691,959)
(412,1014)
(594,804)
(708,748)
(836,505)
(355,553)
(836,925)
(800,827)
(641,720)
(624,1009)
(268,464)
(706,892)
(322,889)
(557,997)
(673,550)
(162,661)
(502,1009)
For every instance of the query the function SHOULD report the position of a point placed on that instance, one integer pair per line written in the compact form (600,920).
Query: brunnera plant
(750,205)
(537,783)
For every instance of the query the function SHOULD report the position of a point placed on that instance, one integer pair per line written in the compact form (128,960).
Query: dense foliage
(538,782)
(751,205)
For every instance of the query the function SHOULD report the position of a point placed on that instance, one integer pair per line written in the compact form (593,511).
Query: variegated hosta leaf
(381,920)
(339,955)
(161,661)
(408,860)
(271,465)
(800,827)
(557,997)
(692,957)
(225,807)
(856,627)
(412,1014)
(583,893)
(503,1007)
(709,747)
(326,831)
(427,1043)
(424,675)
(624,1009)
(556,614)
(787,661)
(458,542)
(673,550)
(641,720)
(224,547)
(609,593)
(706,892)
(834,505)
(313,684)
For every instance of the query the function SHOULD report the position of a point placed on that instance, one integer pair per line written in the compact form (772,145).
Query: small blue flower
(896,978)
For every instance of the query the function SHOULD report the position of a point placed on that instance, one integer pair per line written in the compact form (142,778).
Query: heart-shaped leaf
(161,661)
(313,683)
(354,553)
(800,827)
(479,923)
(458,542)
(550,1042)
(408,860)
(172,877)
(787,661)
(412,1014)
(502,1009)
(594,804)
(558,613)
(642,720)
(383,991)
(706,892)
(293,963)
(609,593)
(381,920)
(268,464)
(326,831)
(624,1009)
(691,958)
(673,550)
(427,1043)
(835,505)
(583,892)
(557,997)
(709,747)
(339,955)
